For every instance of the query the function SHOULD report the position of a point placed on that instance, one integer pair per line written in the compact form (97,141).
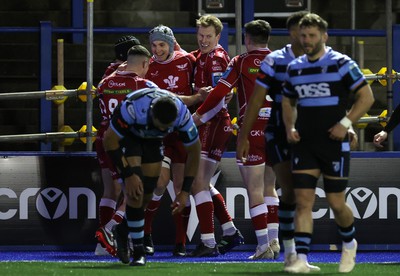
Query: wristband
(346,122)
(187,183)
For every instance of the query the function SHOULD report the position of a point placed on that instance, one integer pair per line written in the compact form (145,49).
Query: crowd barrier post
(396,87)
(45,79)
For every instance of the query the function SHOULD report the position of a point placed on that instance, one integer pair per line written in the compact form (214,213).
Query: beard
(312,51)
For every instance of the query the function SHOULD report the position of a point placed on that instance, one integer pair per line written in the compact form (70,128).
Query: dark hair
(314,20)
(139,50)
(122,46)
(258,30)
(295,18)
(164,109)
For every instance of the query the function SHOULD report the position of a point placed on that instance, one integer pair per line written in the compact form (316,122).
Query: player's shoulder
(219,52)
(179,55)
(337,57)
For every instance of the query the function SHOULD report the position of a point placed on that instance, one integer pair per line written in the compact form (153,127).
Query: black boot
(139,256)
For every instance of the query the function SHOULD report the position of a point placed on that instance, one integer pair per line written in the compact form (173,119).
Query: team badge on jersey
(131,111)
(355,72)
(215,78)
(226,73)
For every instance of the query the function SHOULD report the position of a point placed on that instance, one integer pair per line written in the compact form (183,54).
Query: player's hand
(353,138)
(242,148)
(293,136)
(337,132)
(379,138)
(204,91)
(133,187)
(180,202)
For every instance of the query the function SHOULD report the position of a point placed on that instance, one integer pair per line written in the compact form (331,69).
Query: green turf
(189,269)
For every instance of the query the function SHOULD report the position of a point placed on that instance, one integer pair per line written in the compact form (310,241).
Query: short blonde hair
(208,20)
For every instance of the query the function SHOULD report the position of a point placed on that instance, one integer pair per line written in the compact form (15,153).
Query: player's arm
(363,102)
(289,115)
(213,103)
(131,173)
(200,96)
(391,124)
(394,120)
(114,151)
(189,136)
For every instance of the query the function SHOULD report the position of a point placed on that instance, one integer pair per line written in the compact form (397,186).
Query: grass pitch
(186,268)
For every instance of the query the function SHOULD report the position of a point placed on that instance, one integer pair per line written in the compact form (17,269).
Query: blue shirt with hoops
(323,89)
(133,117)
(271,76)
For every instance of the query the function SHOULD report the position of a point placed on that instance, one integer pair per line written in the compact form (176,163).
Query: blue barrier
(46,32)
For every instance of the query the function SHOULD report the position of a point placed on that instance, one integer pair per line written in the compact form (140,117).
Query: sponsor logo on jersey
(228,128)
(216,152)
(112,84)
(182,67)
(257,62)
(216,68)
(155,74)
(253,158)
(256,133)
(313,90)
(253,70)
(264,112)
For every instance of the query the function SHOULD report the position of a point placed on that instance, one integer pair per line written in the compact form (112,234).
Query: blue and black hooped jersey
(133,116)
(271,76)
(322,89)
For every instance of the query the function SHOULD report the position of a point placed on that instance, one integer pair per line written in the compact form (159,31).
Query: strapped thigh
(304,181)
(335,185)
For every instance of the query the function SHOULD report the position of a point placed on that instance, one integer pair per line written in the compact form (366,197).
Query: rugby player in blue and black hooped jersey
(134,143)
(316,94)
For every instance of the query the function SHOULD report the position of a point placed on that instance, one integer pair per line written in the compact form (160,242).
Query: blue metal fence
(46,32)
